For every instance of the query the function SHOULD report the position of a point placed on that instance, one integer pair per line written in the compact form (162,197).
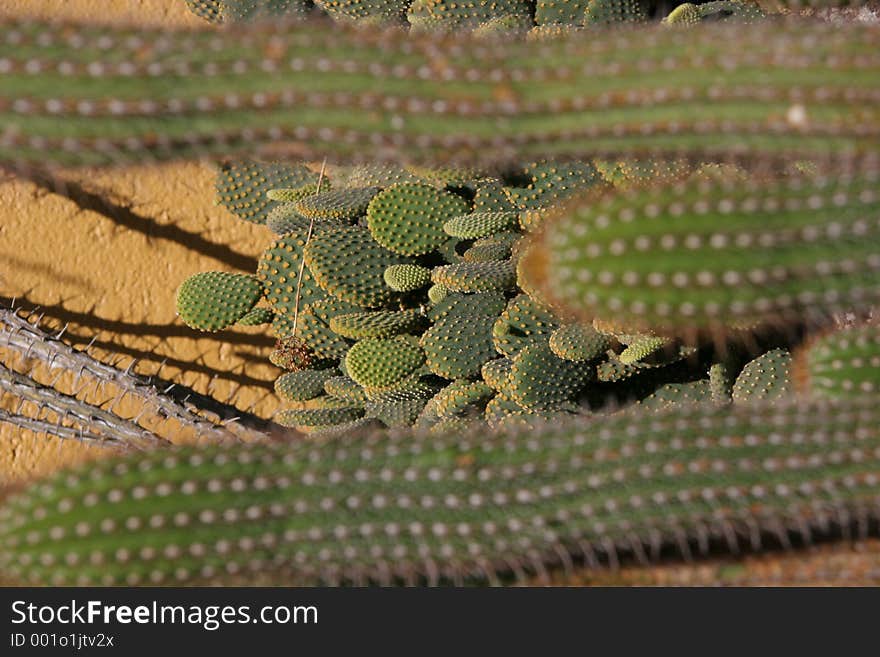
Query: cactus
(523,322)
(374,12)
(578,343)
(467,305)
(479,224)
(560,12)
(540,380)
(766,377)
(349,265)
(570,101)
(603,12)
(841,364)
(256,317)
(215,300)
(382,363)
(408,218)
(457,346)
(243,186)
(336,205)
(713,258)
(690,14)
(449,507)
(303,385)
(476,276)
(407,278)
(446,15)
(377,324)
(461,397)
(233,11)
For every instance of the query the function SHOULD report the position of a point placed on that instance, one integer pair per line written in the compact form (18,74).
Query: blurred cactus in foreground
(551,217)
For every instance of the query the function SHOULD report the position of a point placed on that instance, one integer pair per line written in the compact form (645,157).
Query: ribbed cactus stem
(204,415)
(78,95)
(715,257)
(116,431)
(451,506)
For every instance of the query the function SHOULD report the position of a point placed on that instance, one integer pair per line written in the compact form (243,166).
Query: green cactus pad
(242,186)
(379,175)
(337,204)
(413,386)
(232,11)
(313,327)
(291,194)
(348,264)
(377,324)
(406,278)
(579,343)
(720,383)
(437,293)
(451,177)
(457,346)
(302,385)
(672,394)
(408,218)
(395,414)
(492,252)
(256,317)
(540,380)
(768,377)
(279,272)
(560,12)
(501,408)
(604,12)
(479,224)
(345,388)
(476,276)
(284,219)
(552,182)
(215,300)
(496,372)
(467,305)
(461,397)
(331,412)
(372,12)
(642,346)
(842,364)
(447,15)
(523,322)
(491,197)
(381,363)
(720,10)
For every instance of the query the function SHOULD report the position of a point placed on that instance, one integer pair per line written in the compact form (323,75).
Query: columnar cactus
(384,96)
(450,506)
(717,258)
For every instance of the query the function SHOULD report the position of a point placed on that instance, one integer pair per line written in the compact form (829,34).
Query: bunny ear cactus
(231,11)
(214,300)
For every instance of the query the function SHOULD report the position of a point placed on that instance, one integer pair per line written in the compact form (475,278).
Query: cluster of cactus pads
(437,298)
(540,19)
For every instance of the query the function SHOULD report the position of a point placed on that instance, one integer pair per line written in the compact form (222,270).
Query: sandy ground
(109,269)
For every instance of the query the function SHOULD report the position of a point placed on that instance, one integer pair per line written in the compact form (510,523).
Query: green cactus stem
(450,506)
